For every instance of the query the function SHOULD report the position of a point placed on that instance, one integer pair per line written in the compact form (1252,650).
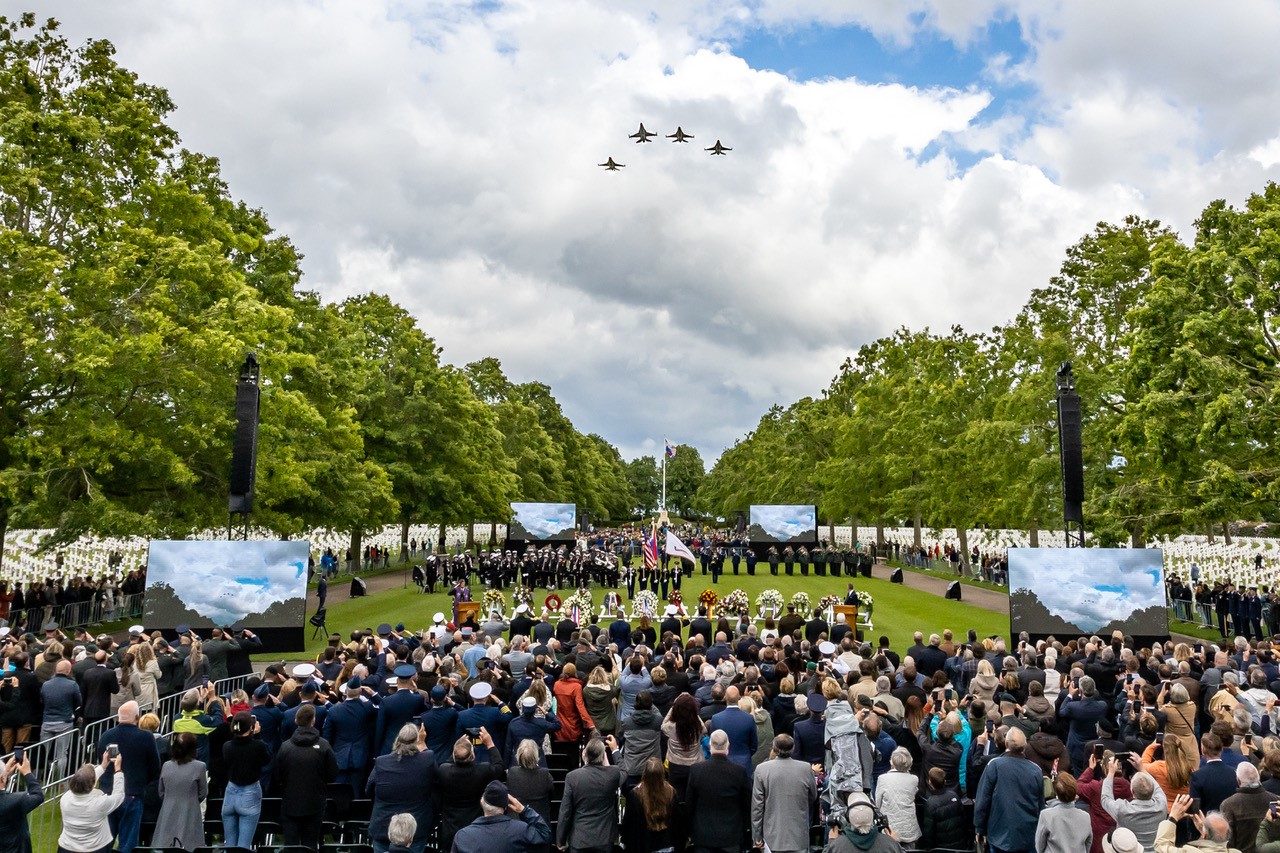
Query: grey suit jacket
(781,797)
(589,808)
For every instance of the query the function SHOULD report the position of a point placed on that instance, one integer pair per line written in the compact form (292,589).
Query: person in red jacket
(572,711)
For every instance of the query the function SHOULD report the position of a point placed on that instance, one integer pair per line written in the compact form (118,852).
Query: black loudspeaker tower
(896,576)
(740,526)
(244,452)
(1070,456)
(953,590)
(584,522)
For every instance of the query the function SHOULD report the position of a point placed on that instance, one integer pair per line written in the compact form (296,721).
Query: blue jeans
(126,821)
(241,808)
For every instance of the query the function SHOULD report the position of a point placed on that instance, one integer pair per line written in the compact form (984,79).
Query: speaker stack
(244,451)
(896,577)
(953,590)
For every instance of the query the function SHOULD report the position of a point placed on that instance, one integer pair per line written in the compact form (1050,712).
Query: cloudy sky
(226,581)
(544,520)
(784,522)
(895,162)
(1090,587)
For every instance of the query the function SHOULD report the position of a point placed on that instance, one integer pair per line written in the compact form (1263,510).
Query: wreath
(552,603)
(677,599)
(830,601)
(709,599)
(800,601)
(865,602)
(646,603)
(582,600)
(737,603)
(769,602)
(492,600)
(522,595)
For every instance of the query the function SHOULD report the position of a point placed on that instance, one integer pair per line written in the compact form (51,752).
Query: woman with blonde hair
(196,670)
(1173,770)
(148,676)
(601,698)
(984,684)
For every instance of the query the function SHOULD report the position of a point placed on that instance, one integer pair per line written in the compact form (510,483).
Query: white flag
(676,548)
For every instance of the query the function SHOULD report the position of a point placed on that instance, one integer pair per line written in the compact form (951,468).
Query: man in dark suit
(701,625)
(403,706)
(736,722)
(15,806)
(100,684)
(672,623)
(521,623)
(933,658)
(1214,781)
(719,797)
(620,631)
(462,781)
(346,728)
(816,627)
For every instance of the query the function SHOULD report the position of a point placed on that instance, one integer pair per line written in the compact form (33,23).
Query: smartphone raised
(113,751)
(991,727)
(19,753)
(1098,751)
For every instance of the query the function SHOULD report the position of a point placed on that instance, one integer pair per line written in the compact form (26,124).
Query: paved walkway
(936,584)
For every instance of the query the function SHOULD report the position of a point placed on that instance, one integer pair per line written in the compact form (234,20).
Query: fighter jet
(641,135)
(610,166)
(717,149)
(680,135)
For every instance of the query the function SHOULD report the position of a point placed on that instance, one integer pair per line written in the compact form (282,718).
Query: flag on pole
(671,451)
(676,548)
(651,549)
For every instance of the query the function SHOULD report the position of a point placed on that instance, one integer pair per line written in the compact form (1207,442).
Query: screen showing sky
(1090,587)
(225,582)
(784,522)
(542,521)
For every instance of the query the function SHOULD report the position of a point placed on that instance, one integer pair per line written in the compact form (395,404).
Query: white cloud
(1090,587)
(445,154)
(226,581)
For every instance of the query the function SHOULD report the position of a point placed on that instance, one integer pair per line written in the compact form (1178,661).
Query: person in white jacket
(896,797)
(85,808)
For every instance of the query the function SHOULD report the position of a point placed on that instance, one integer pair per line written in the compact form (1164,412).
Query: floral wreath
(709,599)
(552,602)
(493,600)
(800,601)
(676,599)
(522,595)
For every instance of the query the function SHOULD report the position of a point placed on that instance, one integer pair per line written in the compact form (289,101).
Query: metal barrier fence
(84,613)
(55,759)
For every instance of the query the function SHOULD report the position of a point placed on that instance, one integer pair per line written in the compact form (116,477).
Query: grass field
(898,610)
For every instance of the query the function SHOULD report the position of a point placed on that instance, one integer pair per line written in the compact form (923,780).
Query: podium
(468,608)
(850,612)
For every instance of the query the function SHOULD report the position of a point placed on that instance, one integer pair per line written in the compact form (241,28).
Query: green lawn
(898,609)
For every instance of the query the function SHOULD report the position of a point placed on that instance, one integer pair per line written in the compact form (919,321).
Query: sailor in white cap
(438,627)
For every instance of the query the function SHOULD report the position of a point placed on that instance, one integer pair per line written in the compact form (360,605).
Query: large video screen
(784,523)
(208,584)
(1071,592)
(542,521)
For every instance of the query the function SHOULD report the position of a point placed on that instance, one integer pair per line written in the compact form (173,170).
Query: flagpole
(664,475)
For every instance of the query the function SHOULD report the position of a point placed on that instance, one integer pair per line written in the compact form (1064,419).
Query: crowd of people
(694,733)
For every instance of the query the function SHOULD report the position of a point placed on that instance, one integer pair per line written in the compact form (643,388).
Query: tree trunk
(1034,540)
(1209,532)
(493,534)
(963,533)
(440,542)
(879,533)
(471,535)
(357,557)
(1136,537)
(4,532)
(831,532)
(916,528)
(1226,533)
(404,540)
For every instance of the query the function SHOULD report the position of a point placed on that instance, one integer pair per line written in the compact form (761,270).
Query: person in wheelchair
(866,832)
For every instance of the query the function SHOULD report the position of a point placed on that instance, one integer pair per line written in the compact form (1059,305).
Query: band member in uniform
(735,557)
(788,560)
(773,560)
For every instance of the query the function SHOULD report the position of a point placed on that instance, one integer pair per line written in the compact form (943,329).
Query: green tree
(646,483)
(684,475)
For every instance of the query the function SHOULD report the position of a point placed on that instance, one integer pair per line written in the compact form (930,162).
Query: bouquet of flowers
(865,603)
(829,601)
(522,595)
(709,599)
(737,603)
(769,602)
(552,603)
(493,600)
(646,603)
(800,601)
(677,599)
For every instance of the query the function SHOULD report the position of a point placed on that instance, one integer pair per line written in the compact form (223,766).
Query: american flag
(671,451)
(651,549)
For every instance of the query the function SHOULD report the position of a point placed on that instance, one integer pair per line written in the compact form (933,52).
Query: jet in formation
(680,135)
(642,135)
(610,166)
(717,149)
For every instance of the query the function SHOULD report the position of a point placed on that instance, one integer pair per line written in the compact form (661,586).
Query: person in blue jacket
(1082,709)
(498,832)
(348,728)
(1010,798)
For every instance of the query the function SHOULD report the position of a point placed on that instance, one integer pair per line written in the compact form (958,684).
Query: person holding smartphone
(14,807)
(1082,709)
(85,807)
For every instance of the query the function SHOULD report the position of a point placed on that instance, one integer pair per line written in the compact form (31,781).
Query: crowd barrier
(84,613)
(55,759)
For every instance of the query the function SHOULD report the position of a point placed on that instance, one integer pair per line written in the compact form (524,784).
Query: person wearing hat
(809,732)
(672,623)
(239,660)
(405,705)
(310,693)
(440,722)
(402,782)
(495,831)
(487,711)
(346,728)
(269,716)
(521,623)
(529,726)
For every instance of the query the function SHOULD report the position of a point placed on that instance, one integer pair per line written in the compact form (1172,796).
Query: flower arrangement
(709,599)
(865,603)
(829,601)
(800,601)
(492,600)
(677,599)
(522,595)
(646,603)
(769,602)
(552,603)
(580,599)
(737,603)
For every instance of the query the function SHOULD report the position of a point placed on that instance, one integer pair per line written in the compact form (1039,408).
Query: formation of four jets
(643,135)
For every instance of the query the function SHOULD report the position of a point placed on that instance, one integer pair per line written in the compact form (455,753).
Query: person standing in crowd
(783,793)
(245,758)
(15,836)
(895,797)
(530,782)
(497,832)
(61,698)
(183,787)
(462,782)
(1010,796)
(141,766)
(649,813)
(589,808)
(402,782)
(1063,828)
(85,809)
(718,793)
(304,763)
